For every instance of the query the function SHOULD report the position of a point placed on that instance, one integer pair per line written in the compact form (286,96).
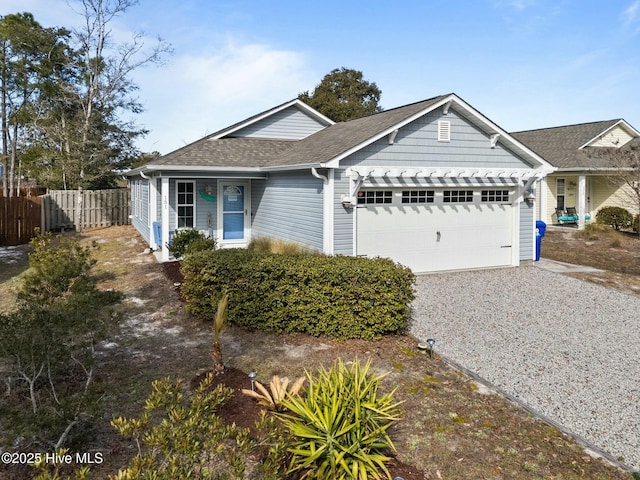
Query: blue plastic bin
(541,227)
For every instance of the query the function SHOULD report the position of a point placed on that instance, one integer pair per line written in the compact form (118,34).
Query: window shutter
(444,131)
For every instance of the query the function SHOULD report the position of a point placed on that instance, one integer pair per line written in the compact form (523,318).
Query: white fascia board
(622,123)
(199,168)
(301,166)
(335,162)
(271,112)
(313,112)
(490,128)
(505,137)
(593,169)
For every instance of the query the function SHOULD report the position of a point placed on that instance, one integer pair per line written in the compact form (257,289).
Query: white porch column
(153,209)
(582,199)
(164,195)
(542,196)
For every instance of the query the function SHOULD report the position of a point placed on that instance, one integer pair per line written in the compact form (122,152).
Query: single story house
(434,185)
(585,178)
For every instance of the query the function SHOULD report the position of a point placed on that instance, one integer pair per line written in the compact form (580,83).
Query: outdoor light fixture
(252,377)
(431,342)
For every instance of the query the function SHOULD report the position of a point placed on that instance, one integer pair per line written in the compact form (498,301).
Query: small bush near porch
(340,297)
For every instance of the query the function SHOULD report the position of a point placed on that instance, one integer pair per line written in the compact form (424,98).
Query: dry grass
(598,246)
(274,245)
(453,428)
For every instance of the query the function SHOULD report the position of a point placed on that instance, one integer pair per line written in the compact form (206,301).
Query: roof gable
(567,147)
(264,124)
(233,148)
(381,124)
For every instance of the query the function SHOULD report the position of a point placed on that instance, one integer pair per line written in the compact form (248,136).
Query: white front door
(233,214)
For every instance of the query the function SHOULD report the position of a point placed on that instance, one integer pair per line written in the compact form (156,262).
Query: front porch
(217,206)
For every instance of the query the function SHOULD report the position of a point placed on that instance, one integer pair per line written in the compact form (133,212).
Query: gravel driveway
(567,348)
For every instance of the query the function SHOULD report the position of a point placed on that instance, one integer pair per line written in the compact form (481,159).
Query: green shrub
(340,425)
(636,222)
(341,297)
(48,343)
(617,217)
(189,241)
(180,435)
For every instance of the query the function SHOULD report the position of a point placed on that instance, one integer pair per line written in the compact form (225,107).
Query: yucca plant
(341,424)
(279,389)
(219,324)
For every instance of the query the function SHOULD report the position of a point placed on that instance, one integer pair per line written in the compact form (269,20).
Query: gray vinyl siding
(288,206)
(206,211)
(289,124)
(141,218)
(527,232)
(417,145)
(342,217)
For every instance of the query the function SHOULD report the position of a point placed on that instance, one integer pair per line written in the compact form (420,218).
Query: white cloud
(630,16)
(516,4)
(195,95)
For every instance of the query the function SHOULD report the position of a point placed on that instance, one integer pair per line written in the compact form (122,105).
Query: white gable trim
(621,123)
(293,103)
(489,127)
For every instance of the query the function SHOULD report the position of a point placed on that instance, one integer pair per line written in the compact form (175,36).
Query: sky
(524,64)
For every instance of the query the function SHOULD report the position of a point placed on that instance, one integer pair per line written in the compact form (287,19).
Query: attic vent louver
(444,131)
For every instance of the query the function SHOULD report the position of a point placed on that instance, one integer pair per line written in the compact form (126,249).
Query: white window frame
(375,197)
(413,197)
(458,196)
(494,196)
(563,194)
(178,204)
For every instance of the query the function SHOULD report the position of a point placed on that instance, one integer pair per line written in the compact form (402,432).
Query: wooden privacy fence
(19,217)
(80,209)
(60,210)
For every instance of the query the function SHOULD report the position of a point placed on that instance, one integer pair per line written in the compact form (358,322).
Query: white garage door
(436,229)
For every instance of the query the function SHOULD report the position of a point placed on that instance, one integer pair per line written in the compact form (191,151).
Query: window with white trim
(560,193)
(457,196)
(418,196)
(374,196)
(185,204)
(494,196)
(444,131)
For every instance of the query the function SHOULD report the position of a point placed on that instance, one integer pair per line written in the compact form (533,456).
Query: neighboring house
(584,178)
(434,185)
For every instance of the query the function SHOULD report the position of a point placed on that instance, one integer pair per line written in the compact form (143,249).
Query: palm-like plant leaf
(341,424)
(278,386)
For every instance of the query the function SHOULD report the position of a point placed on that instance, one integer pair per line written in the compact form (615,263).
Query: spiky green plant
(341,424)
(219,324)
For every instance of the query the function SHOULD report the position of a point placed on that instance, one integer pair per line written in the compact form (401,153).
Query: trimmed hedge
(341,297)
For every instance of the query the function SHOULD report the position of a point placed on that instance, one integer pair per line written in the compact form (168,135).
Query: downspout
(315,173)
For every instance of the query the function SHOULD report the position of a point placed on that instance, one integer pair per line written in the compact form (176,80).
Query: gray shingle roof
(560,145)
(337,139)
(315,149)
(227,152)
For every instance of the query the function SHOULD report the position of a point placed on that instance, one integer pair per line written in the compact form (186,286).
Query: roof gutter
(594,169)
